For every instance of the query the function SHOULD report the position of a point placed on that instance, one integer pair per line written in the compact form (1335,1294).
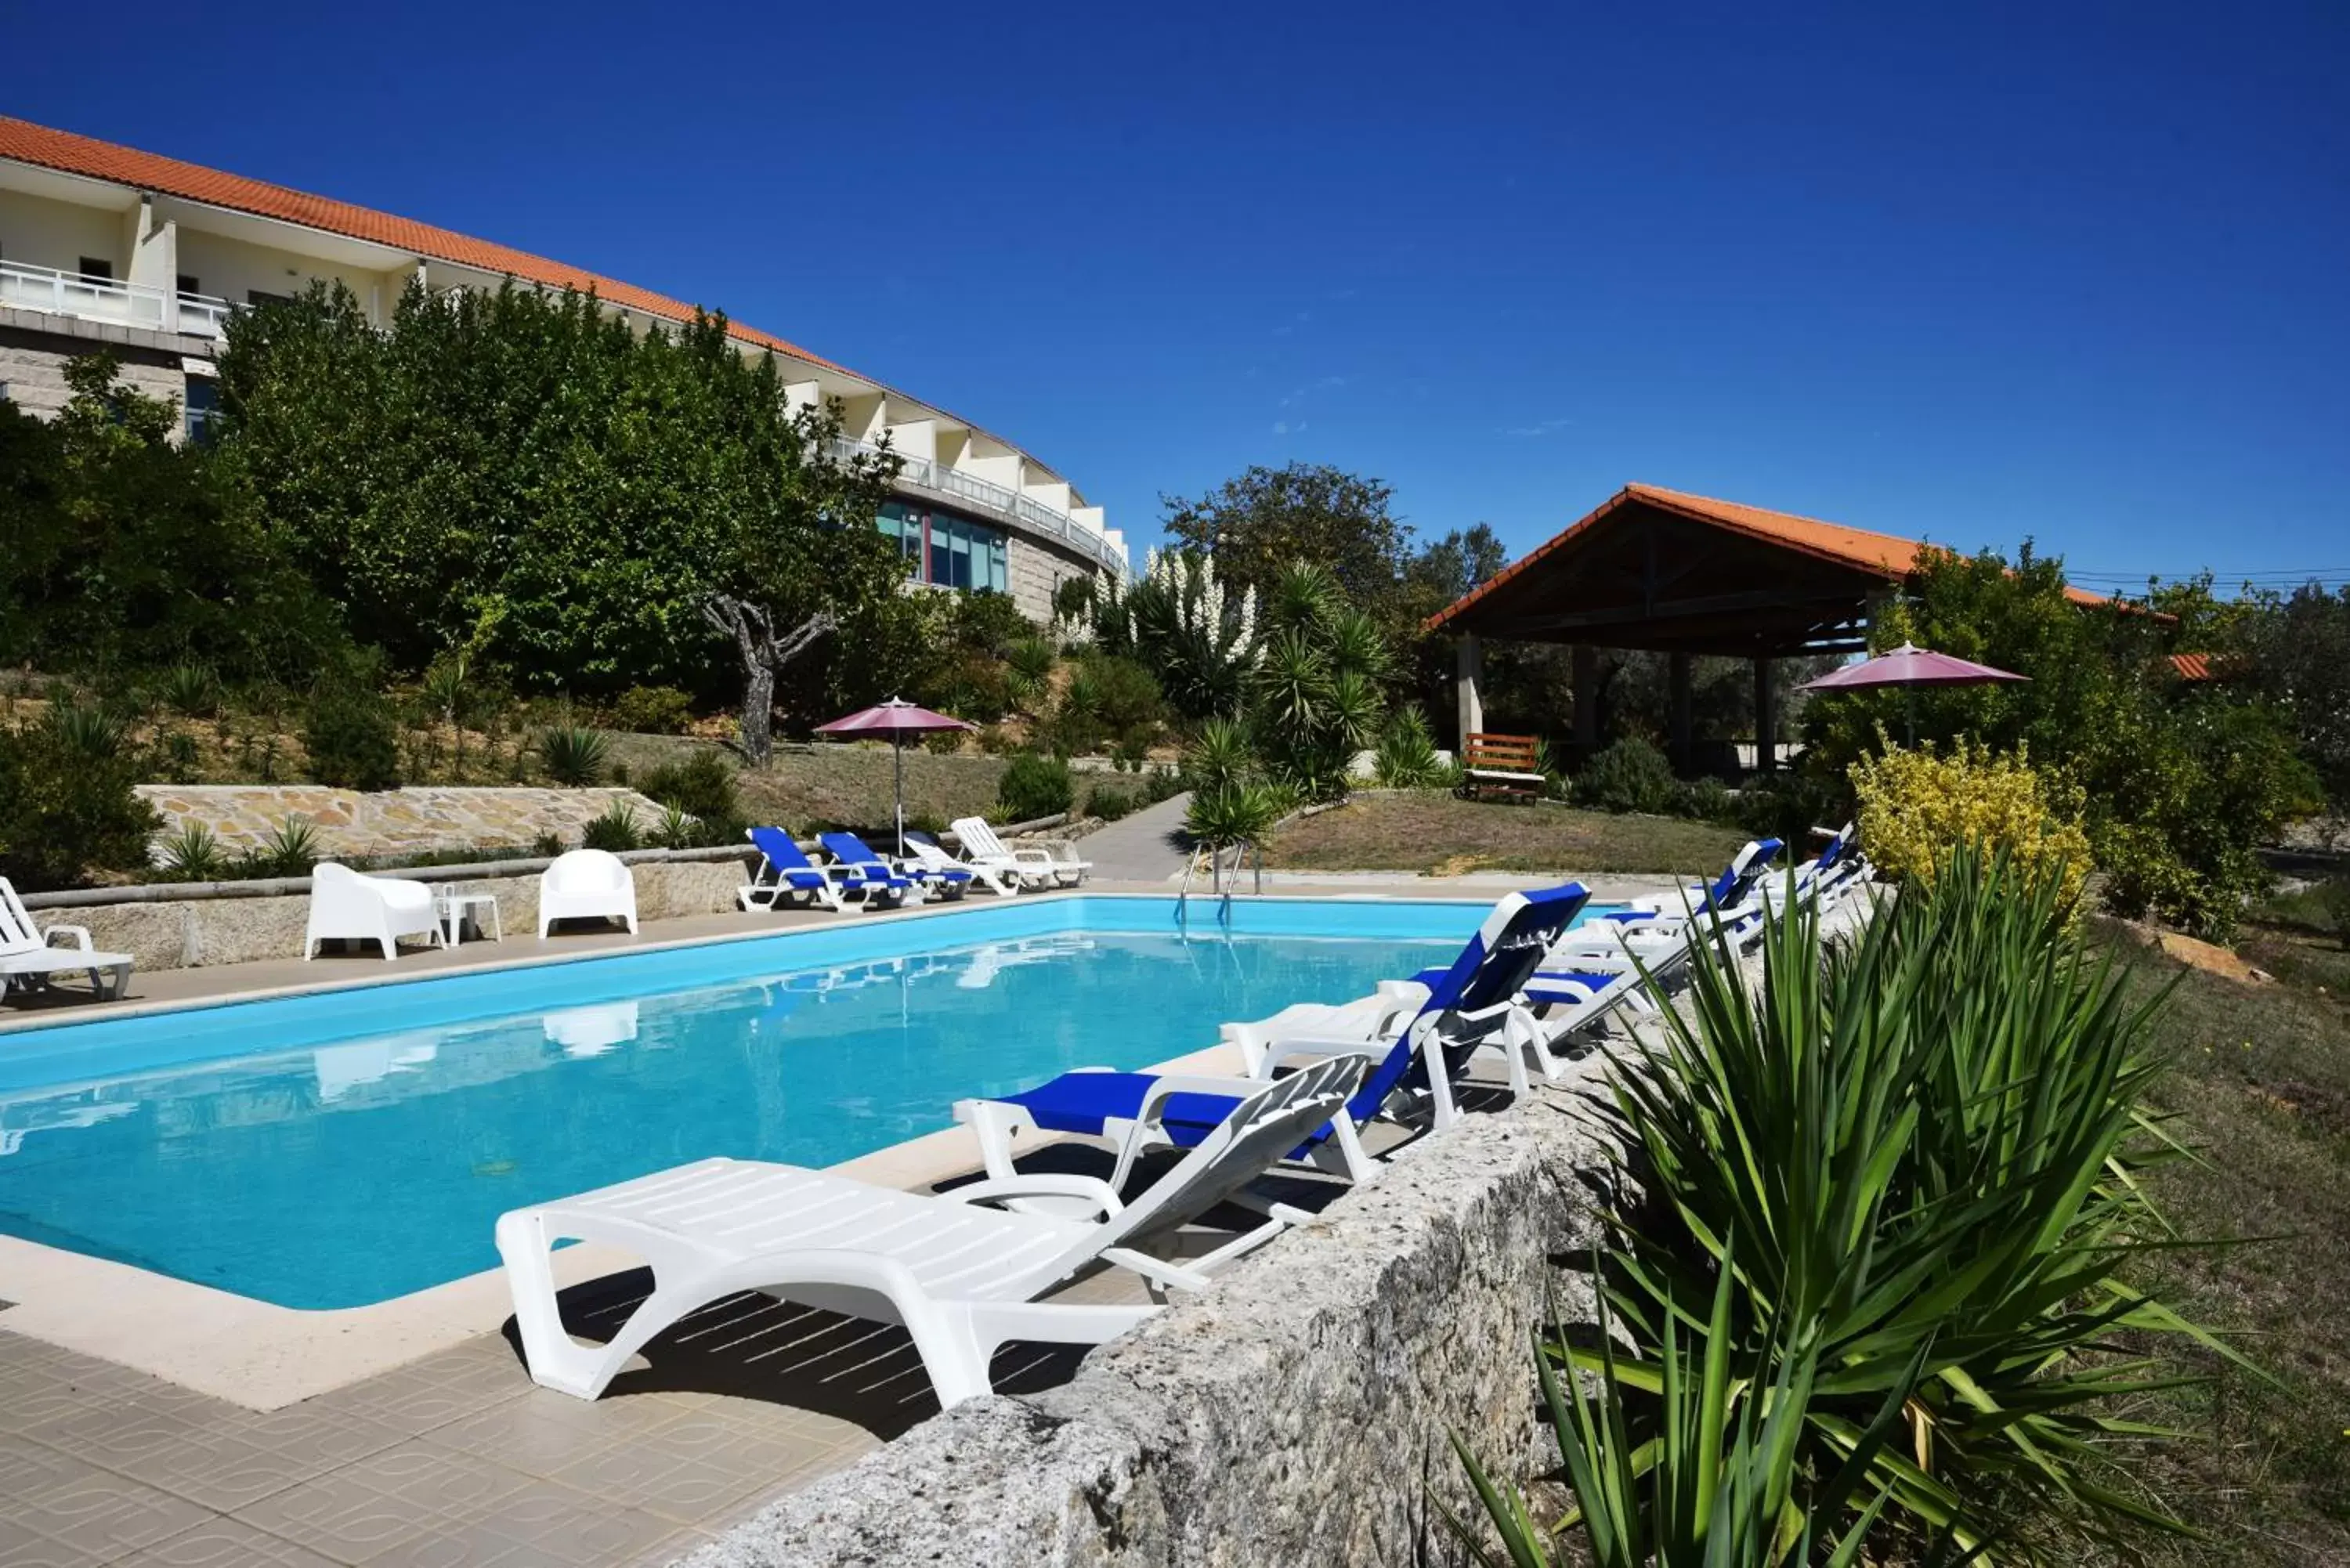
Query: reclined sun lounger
(29,955)
(1826,878)
(1036,864)
(961,1275)
(866,873)
(997,879)
(1415,1046)
(847,849)
(786,873)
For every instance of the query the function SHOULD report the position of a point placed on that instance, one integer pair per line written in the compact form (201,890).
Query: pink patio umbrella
(1910,667)
(897,718)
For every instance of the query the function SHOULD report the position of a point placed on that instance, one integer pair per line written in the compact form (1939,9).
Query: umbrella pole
(897,758)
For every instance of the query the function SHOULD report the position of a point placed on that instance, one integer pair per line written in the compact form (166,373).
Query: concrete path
(1147,847)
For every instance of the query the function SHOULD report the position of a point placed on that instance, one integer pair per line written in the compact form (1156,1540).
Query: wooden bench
(1504,764)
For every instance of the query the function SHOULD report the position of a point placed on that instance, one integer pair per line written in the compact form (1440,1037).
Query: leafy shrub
(1109,803)
(1161,783)
(615,829)
(653,710)
(1235,814)
(977,688)
(1917,806)
(1406,758)
(1706,800)
(1028,670)
(2334,899)
(677,829)
(547,845)
(292,849)
(1034,786)
(701,785)
(996,740)
(1220,756)
(1630,776)
(176,757)
(573,756)
(193,854)
(352,742)
(92,732)
(67,809)
(1788,804)
(1126,697)
(190,690)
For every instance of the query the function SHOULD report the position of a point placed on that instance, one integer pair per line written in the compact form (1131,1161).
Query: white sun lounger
(961,1275)
(1035,864)
(999,878)
(29,953)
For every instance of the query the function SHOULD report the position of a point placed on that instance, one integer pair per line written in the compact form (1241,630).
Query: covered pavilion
(1683,575)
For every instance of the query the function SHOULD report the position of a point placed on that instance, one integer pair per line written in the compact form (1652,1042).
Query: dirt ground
(1435,833)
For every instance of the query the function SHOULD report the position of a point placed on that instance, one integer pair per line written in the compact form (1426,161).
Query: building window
(202,408)
(947,551)
(262,296)
(92,266)
(188,281)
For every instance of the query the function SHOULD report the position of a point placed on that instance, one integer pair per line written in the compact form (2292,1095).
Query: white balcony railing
(1002,500)
(60,293)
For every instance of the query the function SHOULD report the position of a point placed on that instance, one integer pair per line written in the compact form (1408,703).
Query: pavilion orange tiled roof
(70,155)
(2195,669)
(1893,557)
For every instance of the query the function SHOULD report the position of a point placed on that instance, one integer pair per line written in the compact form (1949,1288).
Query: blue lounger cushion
(1490,969)
(1082,1102)
(785,857)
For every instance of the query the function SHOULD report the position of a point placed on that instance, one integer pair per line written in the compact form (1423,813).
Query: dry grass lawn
(824,786)
(2262,1089)
(1425,831)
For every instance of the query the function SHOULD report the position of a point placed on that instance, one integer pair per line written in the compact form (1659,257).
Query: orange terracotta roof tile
(84,155)
(2195,669)
(1885,554)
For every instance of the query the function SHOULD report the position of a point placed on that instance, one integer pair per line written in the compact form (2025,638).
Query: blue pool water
(331,1151)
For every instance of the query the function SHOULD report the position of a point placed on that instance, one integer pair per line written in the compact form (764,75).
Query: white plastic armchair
(587,884)
(380,909)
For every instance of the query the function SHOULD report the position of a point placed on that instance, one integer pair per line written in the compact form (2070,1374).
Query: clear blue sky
(2077,273)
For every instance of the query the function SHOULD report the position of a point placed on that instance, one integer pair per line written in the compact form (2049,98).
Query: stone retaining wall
(183,933)
(1295,1413)
(353,823)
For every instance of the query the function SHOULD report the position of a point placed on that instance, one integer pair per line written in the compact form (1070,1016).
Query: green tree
(1260,524)
(521,477)
(2180,783)
(124,552)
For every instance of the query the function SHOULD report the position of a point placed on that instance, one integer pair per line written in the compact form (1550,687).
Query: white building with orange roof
(107,245)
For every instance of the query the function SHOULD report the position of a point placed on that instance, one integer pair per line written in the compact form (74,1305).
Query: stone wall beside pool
(184,933)
(354,822)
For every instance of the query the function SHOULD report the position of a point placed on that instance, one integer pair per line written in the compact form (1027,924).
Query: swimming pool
(345,1147)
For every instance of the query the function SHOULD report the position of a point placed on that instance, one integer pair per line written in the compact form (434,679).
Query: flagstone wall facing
(352,822)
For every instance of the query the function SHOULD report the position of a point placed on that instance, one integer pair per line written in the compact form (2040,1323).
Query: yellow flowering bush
(1916,805)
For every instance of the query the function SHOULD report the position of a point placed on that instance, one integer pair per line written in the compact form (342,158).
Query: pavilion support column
(1586,702)
(1677,669)
(1766,719)
(1471,669)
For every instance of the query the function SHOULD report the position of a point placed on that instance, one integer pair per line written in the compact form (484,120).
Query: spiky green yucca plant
(1928,1141)
(1924,1140)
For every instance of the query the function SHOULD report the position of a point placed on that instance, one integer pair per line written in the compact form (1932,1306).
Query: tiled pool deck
(456,1459)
